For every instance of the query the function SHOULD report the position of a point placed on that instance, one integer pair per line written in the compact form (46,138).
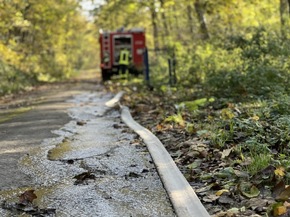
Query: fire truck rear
(111,43)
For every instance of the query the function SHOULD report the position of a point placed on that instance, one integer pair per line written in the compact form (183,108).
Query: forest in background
(224,45)
(231,47)
(43,41)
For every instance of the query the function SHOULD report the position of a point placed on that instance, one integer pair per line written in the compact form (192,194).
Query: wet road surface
(90,164)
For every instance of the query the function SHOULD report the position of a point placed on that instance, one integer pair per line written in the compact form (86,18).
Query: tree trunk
(284,16)
(154,24)
(190,20)
(164,22)
(201,19)
(177,29)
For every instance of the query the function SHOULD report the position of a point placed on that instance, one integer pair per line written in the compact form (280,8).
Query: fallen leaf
(27,197)
(195,164)
(233,211)
(224,199)
(278,189)
(81,178)
(241,174)
(264,174)
(226,153)
(81,123)
(280,171)
(227,172)
(256,203)
(227,114)
(279,210)
(220,192)
(116,126)
(210,198)
(203,133)
(28,209)
(204,189)
(132,175)
(286,204)
(160,127)
(255,118)
(249,190)
(224,214)
(284,195)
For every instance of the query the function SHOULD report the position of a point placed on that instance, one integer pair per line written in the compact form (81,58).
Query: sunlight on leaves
(255,118)
(279,209)
(280,171)
(193,105)
(227,114)
(177,119)
(220,192)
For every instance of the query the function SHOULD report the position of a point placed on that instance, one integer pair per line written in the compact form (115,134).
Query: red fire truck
(111,43)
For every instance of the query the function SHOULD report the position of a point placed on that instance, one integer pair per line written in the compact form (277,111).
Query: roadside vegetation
(225,121)
(234,154)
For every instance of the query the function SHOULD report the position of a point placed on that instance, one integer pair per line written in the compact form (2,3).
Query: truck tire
(106,75)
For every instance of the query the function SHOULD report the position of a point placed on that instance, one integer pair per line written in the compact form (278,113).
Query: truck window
(120,42)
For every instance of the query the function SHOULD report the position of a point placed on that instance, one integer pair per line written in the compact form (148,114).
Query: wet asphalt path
(80,159)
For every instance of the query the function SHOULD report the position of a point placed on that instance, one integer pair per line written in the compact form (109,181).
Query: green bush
(13,80)
(254,68)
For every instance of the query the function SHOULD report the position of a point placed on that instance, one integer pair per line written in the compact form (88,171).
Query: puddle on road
(11,198)
(92,139)
(106,152)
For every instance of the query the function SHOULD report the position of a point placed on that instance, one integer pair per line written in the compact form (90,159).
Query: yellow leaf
(220,192)
(280,171)
(210,118)
(279,210)
(159,127)
(227,114)
(255,118)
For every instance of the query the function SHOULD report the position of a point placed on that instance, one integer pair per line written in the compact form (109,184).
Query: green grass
(258,162)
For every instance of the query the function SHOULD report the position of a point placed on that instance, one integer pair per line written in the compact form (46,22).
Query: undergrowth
(226,122)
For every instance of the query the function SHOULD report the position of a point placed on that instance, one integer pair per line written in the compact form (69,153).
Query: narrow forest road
(77,156)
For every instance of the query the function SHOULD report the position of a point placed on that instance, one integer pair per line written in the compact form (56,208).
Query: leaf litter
(25,205)
(233,155)
(84,178)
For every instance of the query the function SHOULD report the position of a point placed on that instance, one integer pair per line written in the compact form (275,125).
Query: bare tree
(199,8)
(154,23)
(284,15)
(164,21)
(190,19)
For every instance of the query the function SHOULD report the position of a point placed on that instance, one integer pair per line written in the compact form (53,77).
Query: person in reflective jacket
(124,61)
